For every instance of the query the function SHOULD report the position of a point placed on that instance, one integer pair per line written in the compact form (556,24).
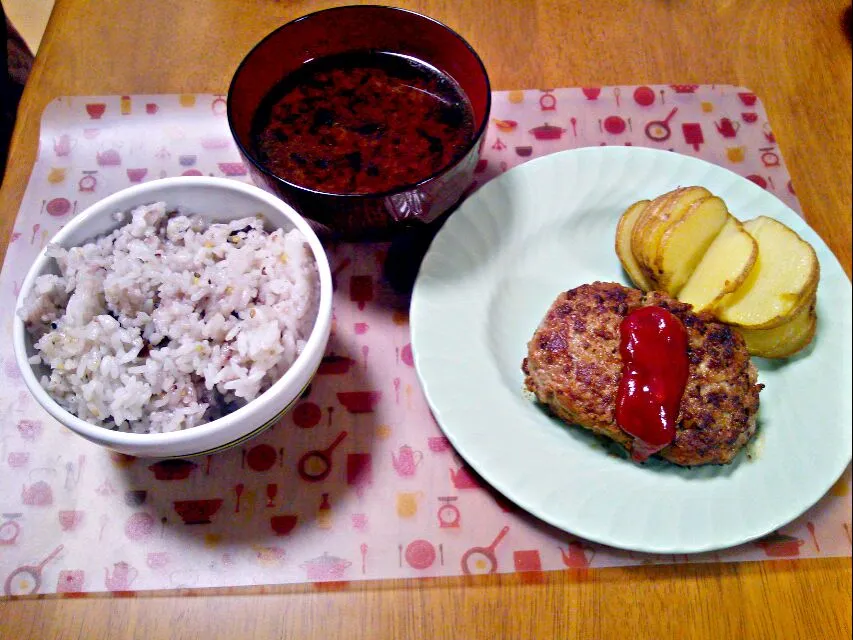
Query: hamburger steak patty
(574,366)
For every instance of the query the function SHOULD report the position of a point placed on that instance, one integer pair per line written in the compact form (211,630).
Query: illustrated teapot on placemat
(121,577)
(576,555)
(406,460)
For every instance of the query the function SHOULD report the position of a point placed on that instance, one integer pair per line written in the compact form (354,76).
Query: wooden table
(795,55)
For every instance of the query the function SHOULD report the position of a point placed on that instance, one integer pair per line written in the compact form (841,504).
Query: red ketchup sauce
(653,346)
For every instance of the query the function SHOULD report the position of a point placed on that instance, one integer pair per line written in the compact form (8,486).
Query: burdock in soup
(363,122)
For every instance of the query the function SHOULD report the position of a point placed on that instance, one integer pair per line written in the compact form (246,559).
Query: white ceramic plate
(548,226)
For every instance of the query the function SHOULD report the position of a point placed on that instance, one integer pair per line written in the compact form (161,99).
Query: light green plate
(548,226)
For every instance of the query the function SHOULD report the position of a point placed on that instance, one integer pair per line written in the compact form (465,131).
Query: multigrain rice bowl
(169,322)
(176,317)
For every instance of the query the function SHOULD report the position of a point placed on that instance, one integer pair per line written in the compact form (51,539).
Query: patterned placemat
(399,502)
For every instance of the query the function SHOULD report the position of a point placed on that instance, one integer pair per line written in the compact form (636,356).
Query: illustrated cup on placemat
(438,444)
(407,503)
(736,154)
(69,519)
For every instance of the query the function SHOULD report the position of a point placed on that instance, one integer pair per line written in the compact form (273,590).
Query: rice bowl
(175,317)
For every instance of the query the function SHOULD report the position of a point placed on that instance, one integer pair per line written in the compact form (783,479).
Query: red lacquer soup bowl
(320,122)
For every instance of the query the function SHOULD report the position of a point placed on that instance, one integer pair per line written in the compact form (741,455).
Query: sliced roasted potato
(684,243)
(785,339)
(785,276)
(666,216)
(726,264)
(623,244)
(644,227)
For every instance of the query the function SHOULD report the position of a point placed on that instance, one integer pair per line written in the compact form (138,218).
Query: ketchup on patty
(653,345)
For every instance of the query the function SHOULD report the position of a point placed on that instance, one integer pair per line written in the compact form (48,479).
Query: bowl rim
(472,143)
(240,421)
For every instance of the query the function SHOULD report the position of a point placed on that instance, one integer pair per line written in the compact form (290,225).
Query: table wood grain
(795,55)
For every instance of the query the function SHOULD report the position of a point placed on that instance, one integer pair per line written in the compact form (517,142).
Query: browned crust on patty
(573,366)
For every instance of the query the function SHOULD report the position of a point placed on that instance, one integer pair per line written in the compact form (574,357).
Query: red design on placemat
(483,559)
(233,169)
(420,554)
(576,557)
(261,457)
(449,516)
(547,132)
(359,471)
(527,560)
(282,525)
(361,290)
(777,545)
(727,128)
(438,444)
(316,465)
(38,494)
(644,96)
(120,577)
(326,567)
(197,511)
(137,175)
(406,460)
(70,519)
(406,356)
(139,526)
(307,415)
(359,401)
(614,125)
(96,110)
(172,469)
(462,478)
(108,158)
(547,101)
(659,130)
(63,144)
(70,581)
(29,429)
(761,182)
(9,529)
(693,134)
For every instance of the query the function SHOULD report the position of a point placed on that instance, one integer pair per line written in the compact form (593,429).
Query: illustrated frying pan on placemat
(26,579)
(315,466)
(659,130)
(482,559)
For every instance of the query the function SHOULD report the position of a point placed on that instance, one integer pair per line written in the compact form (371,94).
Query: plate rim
(494,478)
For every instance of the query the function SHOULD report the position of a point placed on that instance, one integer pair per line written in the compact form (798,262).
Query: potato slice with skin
(623,244)
(785,339)
(684,243)
(725,265)
(786,271)
(665,217)
(643,227)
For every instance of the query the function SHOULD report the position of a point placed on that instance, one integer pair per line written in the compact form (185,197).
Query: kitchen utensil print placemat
(357,481)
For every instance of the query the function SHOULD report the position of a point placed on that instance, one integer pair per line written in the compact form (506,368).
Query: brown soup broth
(362,122)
